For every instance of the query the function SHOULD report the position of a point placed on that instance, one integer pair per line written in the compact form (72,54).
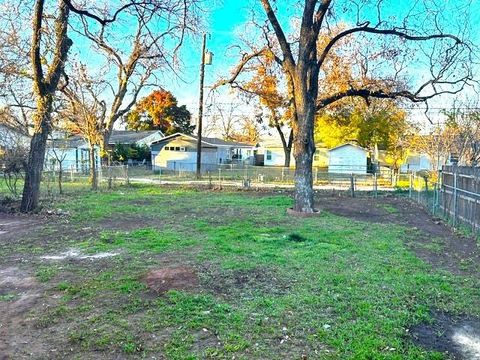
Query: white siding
(76,159)
(347,159)
(275,156)
(416,163)
(186,160)
(181,160)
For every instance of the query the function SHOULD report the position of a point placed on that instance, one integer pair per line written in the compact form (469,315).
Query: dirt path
(13,226)
(22,292)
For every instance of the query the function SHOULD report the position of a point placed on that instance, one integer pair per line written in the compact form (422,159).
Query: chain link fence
(241,175)
(452,193)
(56,182)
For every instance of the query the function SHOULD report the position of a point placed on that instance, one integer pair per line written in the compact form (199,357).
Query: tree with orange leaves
(160,111)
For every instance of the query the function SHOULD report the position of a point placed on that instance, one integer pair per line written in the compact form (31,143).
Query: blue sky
(225,21)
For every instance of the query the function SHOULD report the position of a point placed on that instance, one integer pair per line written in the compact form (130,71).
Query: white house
(275,156)
(179,152)
(416,162)
(347,159)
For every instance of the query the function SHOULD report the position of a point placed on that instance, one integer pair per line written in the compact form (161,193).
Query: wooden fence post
(352,185)
(454,220)
(410,185)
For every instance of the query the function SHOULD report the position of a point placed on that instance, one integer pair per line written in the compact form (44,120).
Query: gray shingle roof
(208,141)
(129,136)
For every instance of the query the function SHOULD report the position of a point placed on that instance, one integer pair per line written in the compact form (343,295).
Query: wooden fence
(460,195)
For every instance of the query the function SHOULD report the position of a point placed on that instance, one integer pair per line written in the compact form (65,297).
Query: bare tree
(13,156)
(392,46)
(223,120)
(45,84)
(135,59)
(16,96)
(83,113)
(463,127)
(266,87)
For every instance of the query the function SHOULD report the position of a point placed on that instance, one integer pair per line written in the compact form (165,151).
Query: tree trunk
(286,145)
(287,149)
(93,167)
(44,87)
(36,156)
(104,149)
(303,150)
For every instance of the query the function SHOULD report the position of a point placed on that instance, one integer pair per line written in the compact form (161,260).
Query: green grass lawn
(271,286)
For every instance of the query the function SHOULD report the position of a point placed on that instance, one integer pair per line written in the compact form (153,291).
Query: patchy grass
(8,297)
(271,286)
(390,209)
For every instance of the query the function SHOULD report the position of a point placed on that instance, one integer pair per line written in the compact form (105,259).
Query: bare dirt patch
(457,337)
(233,282)
(431,239)
(20,292)
(173,278)
(132,222)
(13,226)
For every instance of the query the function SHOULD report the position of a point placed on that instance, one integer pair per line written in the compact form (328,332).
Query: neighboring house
(73,152)
(416,162)
(348,159)
(275,156)
(179,152)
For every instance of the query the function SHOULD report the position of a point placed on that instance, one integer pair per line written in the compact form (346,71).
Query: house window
(316,156)
(269,155)
(177,148)
(167,148)
(182,148)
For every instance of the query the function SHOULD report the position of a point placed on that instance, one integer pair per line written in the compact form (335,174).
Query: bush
(13,162)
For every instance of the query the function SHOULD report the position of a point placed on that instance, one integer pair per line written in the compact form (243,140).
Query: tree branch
(282,40)
(38,79)
(238,70)
(394,32)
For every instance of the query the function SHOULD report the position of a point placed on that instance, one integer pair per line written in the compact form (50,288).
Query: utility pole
(200,110)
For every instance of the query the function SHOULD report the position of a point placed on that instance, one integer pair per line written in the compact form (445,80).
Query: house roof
(273,144)
(70,142)
(207,141)
(126,137)
(348,144)
(130,136)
